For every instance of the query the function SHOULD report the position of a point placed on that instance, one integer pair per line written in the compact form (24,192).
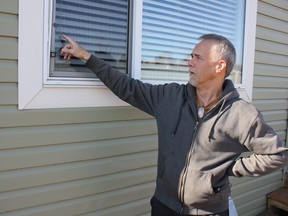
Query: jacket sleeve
(141,95)
(268,151)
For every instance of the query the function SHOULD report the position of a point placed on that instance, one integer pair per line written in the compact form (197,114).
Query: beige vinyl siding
(71,168)
(102,161)
(8,52)
(270,96)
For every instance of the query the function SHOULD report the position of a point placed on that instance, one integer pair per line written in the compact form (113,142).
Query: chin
(192,82)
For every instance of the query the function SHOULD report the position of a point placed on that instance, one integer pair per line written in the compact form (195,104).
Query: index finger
(70,40)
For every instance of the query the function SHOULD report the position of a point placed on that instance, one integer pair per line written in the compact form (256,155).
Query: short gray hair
(225,48)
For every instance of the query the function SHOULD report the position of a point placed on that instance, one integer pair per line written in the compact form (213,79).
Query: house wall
(102,161)
(69,161)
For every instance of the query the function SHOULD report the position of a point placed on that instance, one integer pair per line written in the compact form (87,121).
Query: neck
(206,96)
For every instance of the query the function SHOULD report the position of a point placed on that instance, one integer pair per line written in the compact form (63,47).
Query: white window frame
(36,90)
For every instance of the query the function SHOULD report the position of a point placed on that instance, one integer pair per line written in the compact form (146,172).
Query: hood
(230,94)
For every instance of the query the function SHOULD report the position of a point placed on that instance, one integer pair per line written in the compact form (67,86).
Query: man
(203,127)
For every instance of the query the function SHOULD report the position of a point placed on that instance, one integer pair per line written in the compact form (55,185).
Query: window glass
(101,27)
(170,30)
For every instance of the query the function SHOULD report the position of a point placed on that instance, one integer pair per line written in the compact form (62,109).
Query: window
(147,39)
(170,29)
(101,27)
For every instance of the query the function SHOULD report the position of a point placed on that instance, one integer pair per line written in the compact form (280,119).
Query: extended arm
(141,95)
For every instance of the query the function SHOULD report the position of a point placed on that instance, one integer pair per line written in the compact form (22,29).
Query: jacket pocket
(199,189)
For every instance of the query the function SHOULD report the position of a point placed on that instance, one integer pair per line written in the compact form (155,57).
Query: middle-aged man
(203,127)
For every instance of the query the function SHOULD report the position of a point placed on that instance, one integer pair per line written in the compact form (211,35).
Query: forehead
(204,47)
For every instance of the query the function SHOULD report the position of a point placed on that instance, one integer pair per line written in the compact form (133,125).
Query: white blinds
(170,29)
(100,26)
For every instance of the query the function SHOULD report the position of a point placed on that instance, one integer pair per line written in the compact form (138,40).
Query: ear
(221,66)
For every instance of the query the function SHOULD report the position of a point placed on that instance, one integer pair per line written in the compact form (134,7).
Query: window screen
(99,26)
(170,30)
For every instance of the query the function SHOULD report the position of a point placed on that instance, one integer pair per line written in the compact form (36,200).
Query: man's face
(202,65)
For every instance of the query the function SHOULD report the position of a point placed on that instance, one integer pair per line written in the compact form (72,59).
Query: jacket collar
(229,92)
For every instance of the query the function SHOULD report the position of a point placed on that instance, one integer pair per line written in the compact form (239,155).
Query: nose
(191,62)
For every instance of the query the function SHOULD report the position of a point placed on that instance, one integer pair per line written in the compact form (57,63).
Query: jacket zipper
(184,176)
(185,172)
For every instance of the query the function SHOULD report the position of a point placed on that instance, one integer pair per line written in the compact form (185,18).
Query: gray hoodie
(196,156)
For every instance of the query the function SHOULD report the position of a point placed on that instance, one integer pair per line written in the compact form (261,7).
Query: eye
(193,56)
(198,57)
